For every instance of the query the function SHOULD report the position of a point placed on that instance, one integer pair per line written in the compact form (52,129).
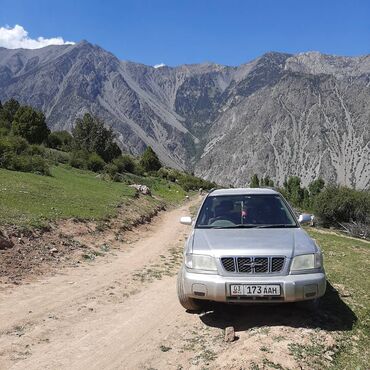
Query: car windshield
(244,211)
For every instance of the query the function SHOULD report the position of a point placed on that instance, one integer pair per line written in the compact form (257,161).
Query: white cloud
(159,65)
(17,37)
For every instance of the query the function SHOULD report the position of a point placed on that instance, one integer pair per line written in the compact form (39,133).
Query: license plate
(254,290)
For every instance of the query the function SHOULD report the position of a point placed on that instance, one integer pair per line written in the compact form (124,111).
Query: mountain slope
(279,115)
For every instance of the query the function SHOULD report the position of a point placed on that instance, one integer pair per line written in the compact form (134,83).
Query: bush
(169,174)
(16,154)
(111,169)
(186,181)
(14,144)
(337,204)
(37,150)
(163,173)
(78,159)
(4,131)
(25,163)
(149,160)
(125,163)
(61,140)
(56,156)
(139,170)
(189,182)
(95,163)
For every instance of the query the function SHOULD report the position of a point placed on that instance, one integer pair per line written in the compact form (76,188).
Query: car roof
(242,191)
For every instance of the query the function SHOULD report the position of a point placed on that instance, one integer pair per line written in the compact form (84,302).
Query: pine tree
(149,160)
(255,182)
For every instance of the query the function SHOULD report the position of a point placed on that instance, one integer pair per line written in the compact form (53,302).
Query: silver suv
(247,246)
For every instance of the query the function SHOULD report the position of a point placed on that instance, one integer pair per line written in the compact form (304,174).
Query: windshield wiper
(275,226)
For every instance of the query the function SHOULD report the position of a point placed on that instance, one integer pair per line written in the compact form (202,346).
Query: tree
(95,163)
(61,140)
(90,134)
(294,191)
(255,182)
(7,113)
(336,204)
(316,187)
(125,163)
(266,181)
(30,124)
(149,160)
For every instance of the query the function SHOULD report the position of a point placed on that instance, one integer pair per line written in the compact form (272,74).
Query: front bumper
(217,288)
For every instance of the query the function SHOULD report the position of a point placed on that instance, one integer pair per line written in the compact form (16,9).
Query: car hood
(254,242)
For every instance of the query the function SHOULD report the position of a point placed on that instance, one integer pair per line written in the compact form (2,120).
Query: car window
(245,211)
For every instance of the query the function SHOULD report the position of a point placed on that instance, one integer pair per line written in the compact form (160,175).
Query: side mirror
(304,218)
(186,220)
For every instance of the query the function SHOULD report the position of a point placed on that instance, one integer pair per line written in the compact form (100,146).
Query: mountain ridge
(278,115)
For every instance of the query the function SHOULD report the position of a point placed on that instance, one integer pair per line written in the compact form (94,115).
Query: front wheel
(190,304)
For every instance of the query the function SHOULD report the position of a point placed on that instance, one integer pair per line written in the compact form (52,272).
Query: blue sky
(176,32)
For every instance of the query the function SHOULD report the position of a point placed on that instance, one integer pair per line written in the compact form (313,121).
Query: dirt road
(121,312)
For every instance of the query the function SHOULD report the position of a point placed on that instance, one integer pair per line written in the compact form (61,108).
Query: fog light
(199,290)
(310,291)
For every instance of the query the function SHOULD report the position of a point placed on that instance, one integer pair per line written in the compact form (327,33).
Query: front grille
(244,264)
(253,265)
(277,264)
(228,264)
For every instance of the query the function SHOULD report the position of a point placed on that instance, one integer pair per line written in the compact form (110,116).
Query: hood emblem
(252,264)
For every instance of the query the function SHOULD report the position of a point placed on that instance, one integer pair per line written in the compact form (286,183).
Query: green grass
(31,200)
(347,263)
(168,191)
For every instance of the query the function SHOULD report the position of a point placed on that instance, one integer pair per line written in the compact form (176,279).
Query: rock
(229,334)
(143,189)
(53,250)
(5,243)
(342,290)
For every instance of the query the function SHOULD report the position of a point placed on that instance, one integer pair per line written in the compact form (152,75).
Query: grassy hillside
(27,199)
(347,263)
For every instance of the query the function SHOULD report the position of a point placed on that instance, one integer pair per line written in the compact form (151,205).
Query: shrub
(163,173)
(95,163)
(37,150)
(149,160)
(61,140)
(78,159)
(112,170)
(25,163)
(125,163)
(56,156)
(190,182)
(139,170)
(4,131)
(169,174)
(337,204)
(14,144)
(255,182)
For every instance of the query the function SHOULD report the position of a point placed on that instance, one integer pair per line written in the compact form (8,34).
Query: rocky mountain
(279,115)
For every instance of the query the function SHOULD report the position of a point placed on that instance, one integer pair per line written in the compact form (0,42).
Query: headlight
(306,262)
(200,262)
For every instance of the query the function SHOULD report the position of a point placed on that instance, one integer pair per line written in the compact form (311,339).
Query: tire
(190,304)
